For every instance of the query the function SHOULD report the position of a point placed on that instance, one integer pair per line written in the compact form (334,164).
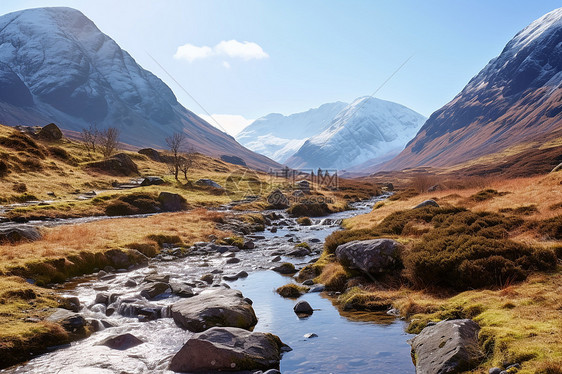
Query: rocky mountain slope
(335,135)
(57,66)
(516,98)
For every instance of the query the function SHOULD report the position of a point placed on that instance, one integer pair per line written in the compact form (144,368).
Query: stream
(346,342)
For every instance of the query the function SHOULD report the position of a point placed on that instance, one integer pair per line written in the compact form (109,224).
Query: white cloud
(226,64)
(243,50)
(191,52)
(232,123)
(228,48)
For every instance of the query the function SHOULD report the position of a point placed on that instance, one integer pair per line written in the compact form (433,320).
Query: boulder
(50,132)
(249,244)
(19,233)
(427,203)
(376,256)
(121,342)
(216,307)
(278,200)
(153,290)
(208,183)
(228,349)
(157,278)
(151,153)
(447,347)
(152,181)
(303,307)
(285,268)
(182,290)
(299,252)
(233,160)
(172,202)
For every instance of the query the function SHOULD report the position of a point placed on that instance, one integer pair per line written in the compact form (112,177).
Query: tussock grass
(292,290)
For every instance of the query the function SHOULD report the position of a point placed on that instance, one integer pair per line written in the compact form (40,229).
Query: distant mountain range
(57,66)
(516,98)
(335,135)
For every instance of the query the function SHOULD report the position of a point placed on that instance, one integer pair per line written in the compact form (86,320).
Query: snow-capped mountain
(279,137)
(516,98)
(57,66)
(366,129)
(335,135)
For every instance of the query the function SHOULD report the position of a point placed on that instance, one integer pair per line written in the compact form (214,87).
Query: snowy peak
(536,31)
(335,135)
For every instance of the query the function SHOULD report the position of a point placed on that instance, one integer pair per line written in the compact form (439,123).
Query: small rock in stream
(303,307)
(121,342)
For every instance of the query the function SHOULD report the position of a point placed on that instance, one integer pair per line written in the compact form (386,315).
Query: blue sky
(301,54)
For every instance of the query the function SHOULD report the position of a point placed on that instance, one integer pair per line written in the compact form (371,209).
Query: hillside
(515,99)
(57,66)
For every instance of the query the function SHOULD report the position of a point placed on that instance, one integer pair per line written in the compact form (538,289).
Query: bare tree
(108,141)
(175,143)
(90,137)
(187,161)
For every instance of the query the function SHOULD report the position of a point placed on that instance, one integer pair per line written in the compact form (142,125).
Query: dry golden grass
(99,236)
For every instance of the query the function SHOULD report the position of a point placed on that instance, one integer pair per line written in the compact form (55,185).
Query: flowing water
(346,342)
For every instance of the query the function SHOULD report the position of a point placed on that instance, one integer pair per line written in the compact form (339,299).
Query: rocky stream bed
(144,317)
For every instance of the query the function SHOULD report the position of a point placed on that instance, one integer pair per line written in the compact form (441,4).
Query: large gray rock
(151,153)
(228,349)
(19,233)
(447,347)
(216,307)
(376,256)
(427,203)
(152,181)
(172,202)
(50,132)
(156,289)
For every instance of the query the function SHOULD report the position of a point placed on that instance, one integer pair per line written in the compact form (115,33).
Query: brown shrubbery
(134,203)
(462,249)
(309,210)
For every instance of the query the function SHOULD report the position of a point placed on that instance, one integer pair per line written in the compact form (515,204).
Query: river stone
(19,233)
(427,203)
(303,307)
(121,342)
(172,202)
(376,256)
(285,268)
(153,290)
(228,349)
(69,320)
(216,307)
(152,278)
(299,252)
(278,200)
(182,290)
(249,244)
(447,347)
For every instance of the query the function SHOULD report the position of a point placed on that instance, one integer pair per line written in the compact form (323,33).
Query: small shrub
(23,143)
(304,221)
(486,194)
(291,290)
(309,209)
(404,195)
(522,210)
(4,169)
(25,197)
(334,277)
(162,239)
(551,228)
(31,164)
(120,208)
(19,187)
(359,299)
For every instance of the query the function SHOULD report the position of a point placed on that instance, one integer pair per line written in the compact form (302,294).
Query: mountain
(335,135)
(366,129)
(57,66)
(515,99)
(279,137)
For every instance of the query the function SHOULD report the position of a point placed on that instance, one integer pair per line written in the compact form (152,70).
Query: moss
(237,241)
(303,245)
(356,298)
(304,221)
(120,208)
(291,290)
(162,239)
